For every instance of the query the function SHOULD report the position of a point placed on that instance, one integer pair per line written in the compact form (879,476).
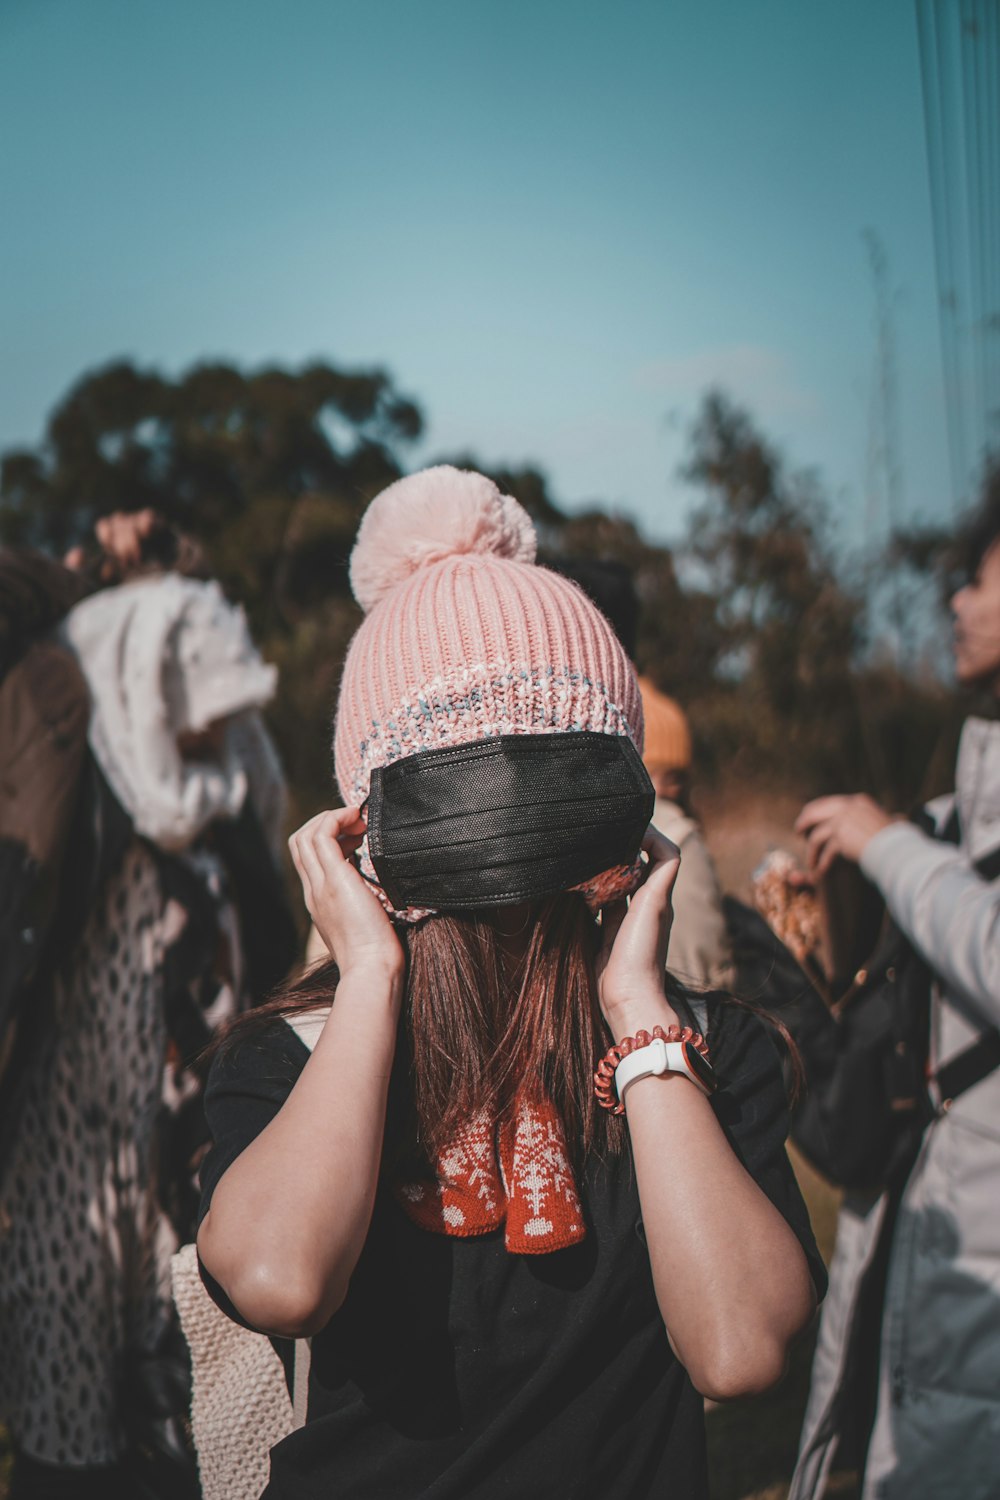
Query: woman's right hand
(348,916)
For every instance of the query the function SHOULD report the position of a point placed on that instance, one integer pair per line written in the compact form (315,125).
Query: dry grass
(740,828)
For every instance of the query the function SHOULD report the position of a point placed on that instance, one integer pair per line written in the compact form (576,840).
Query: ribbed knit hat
(667,732)
(465,636)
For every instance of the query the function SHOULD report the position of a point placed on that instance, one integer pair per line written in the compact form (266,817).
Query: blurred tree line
(751,620)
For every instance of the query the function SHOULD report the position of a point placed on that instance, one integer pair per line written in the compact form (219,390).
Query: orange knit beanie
(668,735)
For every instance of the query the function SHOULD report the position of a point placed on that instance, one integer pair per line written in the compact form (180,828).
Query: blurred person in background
(44,716)
(699,952)
(936,1427)
(168,917)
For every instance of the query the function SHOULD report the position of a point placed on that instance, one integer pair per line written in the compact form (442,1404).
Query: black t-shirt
(457,1371)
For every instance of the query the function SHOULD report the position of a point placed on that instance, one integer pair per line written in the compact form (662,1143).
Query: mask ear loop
(356,856)
(409,918)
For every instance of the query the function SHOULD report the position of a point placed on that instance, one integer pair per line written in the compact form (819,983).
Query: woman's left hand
(633,953)
(344,909)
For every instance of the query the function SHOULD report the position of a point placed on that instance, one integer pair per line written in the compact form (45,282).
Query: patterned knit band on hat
(467,638)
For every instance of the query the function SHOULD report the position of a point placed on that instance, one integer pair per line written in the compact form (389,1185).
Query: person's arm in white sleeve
(949,913)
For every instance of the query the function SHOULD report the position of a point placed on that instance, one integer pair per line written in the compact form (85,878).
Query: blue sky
(556,223)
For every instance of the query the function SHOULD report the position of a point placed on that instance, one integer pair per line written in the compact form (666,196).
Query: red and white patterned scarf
(517,1174)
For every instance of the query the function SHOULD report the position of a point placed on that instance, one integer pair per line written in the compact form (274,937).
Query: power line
(959,44)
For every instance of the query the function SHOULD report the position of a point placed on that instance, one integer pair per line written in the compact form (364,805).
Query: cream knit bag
(240,1405)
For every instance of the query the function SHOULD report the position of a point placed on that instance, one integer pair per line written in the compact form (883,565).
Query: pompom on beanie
(465,636)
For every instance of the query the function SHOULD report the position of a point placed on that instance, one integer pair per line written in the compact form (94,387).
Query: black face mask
(507,819)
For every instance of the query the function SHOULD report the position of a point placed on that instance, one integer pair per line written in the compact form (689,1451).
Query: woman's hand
(839,826)
(122,534)
(633,953)
(347,915)
(121,537)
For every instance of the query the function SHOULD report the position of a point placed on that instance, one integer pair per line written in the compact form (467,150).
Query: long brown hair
(480,1029)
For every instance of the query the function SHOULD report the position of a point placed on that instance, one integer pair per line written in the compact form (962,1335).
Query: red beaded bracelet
(604,1078)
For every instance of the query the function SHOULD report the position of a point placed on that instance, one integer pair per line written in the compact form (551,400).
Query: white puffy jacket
(937,1426)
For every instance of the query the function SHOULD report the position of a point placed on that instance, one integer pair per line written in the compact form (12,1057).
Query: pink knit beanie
(465,637)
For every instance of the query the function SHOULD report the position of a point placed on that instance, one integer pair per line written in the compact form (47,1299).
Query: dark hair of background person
(163,548)
(982,529)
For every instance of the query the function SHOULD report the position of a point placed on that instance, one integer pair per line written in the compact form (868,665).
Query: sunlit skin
(841,827)
(120,537)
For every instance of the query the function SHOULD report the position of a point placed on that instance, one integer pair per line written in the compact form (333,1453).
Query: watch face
(702,1070)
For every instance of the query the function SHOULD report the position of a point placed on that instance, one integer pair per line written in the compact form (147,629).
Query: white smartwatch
(661,1057)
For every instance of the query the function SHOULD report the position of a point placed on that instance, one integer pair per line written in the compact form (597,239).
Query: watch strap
(655,1060)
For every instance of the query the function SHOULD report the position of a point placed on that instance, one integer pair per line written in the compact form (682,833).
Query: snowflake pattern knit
(517,1175)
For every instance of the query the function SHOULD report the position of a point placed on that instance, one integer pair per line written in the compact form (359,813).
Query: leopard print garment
(83,1252)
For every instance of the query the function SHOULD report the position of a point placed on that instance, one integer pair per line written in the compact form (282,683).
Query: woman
(906,1379)
(147,955)
(510,1289)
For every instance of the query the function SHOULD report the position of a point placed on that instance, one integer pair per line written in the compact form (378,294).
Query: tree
(792,628)
(270,471)
(746,620)
(797,692)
